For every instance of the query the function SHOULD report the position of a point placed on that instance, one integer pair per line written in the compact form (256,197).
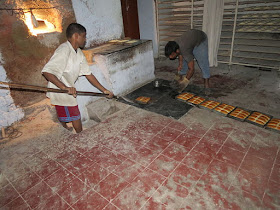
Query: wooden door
(130,18)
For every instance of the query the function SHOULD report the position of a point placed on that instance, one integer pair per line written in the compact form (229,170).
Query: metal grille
(176,17)
(251,33)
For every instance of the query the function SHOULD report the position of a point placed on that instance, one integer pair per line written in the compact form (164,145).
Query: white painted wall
(147,22)
(9,113)
(102,19)
(120,72)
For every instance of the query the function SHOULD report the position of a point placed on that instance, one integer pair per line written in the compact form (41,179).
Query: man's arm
(53,79)
(190,69)
(180,57)
(92,79)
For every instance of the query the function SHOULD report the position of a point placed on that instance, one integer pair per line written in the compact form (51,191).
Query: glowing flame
(44,25)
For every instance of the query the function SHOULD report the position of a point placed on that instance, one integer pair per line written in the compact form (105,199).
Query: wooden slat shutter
(175,17)
(251,33)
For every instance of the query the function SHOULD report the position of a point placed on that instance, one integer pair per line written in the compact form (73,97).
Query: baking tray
(210,102)
(255,123)
(236,110)
(221,105)
(196,100)
(273,129)
(189,96)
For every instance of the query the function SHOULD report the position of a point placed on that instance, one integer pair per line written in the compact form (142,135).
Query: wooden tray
(239,114)
(258,118)
(224,109)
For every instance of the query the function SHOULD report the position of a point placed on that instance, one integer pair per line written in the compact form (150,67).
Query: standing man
(62,71)
(193,44)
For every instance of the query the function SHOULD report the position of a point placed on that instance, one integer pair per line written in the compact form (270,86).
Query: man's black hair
(171,47)
(74,28)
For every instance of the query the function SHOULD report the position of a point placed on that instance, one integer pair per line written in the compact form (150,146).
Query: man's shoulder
(63,47)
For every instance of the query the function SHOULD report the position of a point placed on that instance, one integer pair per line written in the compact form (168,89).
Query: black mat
(162,100)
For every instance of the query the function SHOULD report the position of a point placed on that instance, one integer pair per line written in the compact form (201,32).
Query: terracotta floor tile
(47,168)
(7,194)
(239,199)
(177,125)
(124,134)
(16,171)
(231,156)
(36,159)
(197,161)
(275,176)
(176,151)
(153,204)
(171,194)
(169,134)
(157,119)
(93,175)
(110,207)
(130,198)
(144,156)
(148,181)
(66,157)
(240,140)
(26,182)
(250,183)
(59,179)
(208,148)
(18,204)
(108,159)
(187,140)
(153,128)
(271,198)
(264,152)
(225,127)
(215,136)
(277,161)
(185,176)
(219,174)
(91,200)
(111,186)
(73,191)
(128,170)
(53,203)
(79,165)
(163,165)
(200,198)
(196,129)
(257,165)
(157,144)
(3,181)
(37,194)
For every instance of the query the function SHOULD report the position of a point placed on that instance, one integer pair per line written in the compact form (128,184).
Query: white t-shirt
(67,65)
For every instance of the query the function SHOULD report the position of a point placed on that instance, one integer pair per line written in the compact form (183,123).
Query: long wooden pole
(44,89)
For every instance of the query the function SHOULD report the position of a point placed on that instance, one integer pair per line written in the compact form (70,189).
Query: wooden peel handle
(44,89)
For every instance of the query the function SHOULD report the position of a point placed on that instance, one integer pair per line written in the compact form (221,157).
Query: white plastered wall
(102,19)
(9,113)
(147,22)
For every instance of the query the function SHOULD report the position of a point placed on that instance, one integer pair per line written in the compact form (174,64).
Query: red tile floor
(141,160)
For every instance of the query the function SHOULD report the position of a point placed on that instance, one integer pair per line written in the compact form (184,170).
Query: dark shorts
(67,113)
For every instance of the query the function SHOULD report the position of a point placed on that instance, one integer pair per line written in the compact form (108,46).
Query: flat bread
(196,100)
(258,118)
(224,108)
(143,99)
(240,113)
(210,104)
